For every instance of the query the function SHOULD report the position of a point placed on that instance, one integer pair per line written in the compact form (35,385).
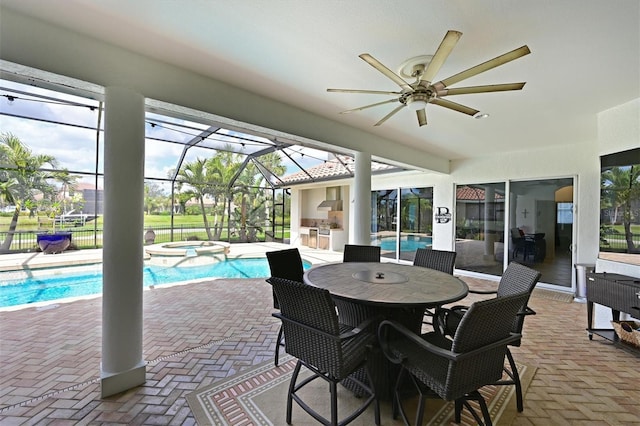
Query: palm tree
(198,176)
(249,188)
(620,188)
(224,166)
(69,183)
(21,175)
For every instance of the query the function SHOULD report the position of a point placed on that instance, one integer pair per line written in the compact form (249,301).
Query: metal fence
(26,241)
(615,242)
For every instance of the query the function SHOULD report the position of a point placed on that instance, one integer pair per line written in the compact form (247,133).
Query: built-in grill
(324,230)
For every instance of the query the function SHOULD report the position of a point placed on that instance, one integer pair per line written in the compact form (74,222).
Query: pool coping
(39,260)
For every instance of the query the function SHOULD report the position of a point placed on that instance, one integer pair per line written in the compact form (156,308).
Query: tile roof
(472,193)
(333,169)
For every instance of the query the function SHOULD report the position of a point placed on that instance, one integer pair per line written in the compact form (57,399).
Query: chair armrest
(483,291)
(436,350)
(405,332)
(344,336)
(359,328)
(526,311)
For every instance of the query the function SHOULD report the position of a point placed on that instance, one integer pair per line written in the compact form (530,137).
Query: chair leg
(292,386)
(458,410)
(376,401)
(516,381)
(397,399)
(485,411)
(420,409)
(278,344)
(475,395)
(333,386)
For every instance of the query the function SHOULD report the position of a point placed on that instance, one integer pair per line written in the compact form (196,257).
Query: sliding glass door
(401,226)
(480,219)
(541,227)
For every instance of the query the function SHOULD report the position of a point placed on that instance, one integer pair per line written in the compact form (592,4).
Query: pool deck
(200,333)
(39,260)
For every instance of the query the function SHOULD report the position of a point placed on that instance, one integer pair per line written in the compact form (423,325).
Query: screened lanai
(206,178)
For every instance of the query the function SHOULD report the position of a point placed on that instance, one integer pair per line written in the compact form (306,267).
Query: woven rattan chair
(454,369)
(285,264)
(440,260)
(359,253)
(516,279)
(330,350)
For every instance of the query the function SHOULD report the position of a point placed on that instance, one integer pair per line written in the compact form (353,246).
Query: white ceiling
(585,58)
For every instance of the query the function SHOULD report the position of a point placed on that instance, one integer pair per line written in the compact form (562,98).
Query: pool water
(83,283)
(406,243)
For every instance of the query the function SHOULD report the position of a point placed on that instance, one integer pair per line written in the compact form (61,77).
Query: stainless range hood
(331,205)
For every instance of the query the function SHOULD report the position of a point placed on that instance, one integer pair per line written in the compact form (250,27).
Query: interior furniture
(529,245)
(454,369)
(621,293)
(360,253)
(515,279)
(285,264)
(364,290)
(330,350)
(440,260)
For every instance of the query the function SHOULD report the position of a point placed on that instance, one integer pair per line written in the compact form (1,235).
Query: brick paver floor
(196,334)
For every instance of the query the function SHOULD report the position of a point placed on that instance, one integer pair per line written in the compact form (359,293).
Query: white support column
(361,211)
(122,365)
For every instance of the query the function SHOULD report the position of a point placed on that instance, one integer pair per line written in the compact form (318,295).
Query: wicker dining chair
(516,279)
(361,253)
(284,264)
(440,260)
(453,369)
(330,350)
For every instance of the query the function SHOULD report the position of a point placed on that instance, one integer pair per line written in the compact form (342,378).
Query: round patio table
(385,291)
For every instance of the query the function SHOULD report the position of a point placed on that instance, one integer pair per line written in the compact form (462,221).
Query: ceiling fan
(418,94)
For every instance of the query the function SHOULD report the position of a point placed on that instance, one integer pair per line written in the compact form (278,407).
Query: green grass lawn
(26,223)
(184,227)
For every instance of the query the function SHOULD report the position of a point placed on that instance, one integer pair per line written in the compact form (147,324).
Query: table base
(383,372)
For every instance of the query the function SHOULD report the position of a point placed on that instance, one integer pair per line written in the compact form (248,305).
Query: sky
(74,147)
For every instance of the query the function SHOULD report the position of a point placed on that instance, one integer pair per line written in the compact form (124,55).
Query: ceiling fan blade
(481,89)
(370,106)
(386,71)
(446,46)
(485,66)
(422,117)
(373,92)
(388,116)
(454,106)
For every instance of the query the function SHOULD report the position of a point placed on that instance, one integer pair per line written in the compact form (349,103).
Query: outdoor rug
(258,397)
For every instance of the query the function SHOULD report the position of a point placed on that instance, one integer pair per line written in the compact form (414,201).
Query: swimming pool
(408,243)
(79,281)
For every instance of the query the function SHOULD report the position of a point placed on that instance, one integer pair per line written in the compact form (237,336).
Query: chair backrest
(487,321)
(439,260)
(517,237)
(478,348)
(360,253)
(516,279)
(483,325)
(310,324)
(286,264)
